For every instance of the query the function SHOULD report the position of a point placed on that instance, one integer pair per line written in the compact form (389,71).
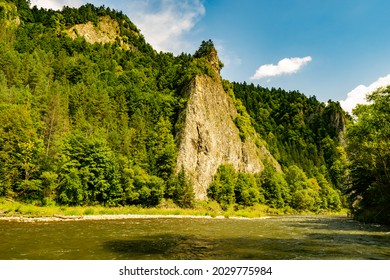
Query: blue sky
(333,49)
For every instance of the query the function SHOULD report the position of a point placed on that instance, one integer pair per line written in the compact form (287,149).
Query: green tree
(150,188)
(49,185)
(205,48)
(275,187)
(222,187)
(330,198)
(369,155)
(90,172)
(183,190)
(247,192)
(20,153)
(163,151)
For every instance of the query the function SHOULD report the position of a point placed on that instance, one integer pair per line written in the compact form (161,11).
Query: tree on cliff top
(207,50)
(204,49)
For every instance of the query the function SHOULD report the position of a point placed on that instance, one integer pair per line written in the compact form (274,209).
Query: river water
(280,238)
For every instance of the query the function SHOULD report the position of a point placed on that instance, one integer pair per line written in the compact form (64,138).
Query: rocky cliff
(209,136)
(106,31)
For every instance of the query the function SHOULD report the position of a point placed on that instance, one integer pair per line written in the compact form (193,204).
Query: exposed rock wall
(209,137)
(107,31)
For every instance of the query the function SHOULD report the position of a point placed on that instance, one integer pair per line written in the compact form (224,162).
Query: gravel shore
(62,218)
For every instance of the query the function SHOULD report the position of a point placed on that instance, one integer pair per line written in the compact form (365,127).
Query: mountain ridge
(124,108)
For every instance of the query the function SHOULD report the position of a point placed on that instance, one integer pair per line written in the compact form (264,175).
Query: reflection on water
(313,237)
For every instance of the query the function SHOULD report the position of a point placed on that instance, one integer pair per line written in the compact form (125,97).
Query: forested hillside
(85,123)
(96,122)
(306,137)
(299,130)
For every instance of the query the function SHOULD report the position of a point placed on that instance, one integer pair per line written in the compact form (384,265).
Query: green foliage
(222,187)
(295,190)
(70,190)
(163,151)
(196,66)
(183,191)
(299,130)
(306,137)
(205,48)
(207,52)
(20,153)
(7,10)
(150,189)
(49,184)
(305,193)
(243,121)
(230,187)
(275,188)
(369,155)
(89,172)
(247,192)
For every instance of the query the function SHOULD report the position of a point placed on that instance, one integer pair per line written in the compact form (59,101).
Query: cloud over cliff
(284,66)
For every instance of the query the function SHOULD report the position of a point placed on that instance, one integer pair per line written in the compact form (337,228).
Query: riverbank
(58,218)
(21,212)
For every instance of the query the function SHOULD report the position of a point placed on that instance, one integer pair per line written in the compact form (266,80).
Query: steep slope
(210,137)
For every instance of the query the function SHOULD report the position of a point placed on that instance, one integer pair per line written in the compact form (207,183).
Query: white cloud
(164,27)
(56,4)
(284,66)
(358,94)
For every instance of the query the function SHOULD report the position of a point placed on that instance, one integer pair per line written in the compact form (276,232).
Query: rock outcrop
(107,31)
(209,136)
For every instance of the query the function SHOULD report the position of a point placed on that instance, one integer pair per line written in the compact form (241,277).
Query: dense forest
(96,123)
(302,133)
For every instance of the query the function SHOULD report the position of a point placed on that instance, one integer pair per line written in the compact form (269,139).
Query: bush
(89,211)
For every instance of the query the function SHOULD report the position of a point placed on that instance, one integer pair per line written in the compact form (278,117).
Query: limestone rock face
(209,136)
(107,31)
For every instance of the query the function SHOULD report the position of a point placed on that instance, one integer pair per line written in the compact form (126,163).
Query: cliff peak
(208,51)
(210,136)
(214,60)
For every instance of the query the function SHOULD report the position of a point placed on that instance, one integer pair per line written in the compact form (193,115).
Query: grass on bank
(167,207)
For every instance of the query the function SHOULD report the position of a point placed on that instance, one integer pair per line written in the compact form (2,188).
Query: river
(280,238)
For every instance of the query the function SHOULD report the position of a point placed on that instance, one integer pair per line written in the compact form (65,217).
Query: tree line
(84,124)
